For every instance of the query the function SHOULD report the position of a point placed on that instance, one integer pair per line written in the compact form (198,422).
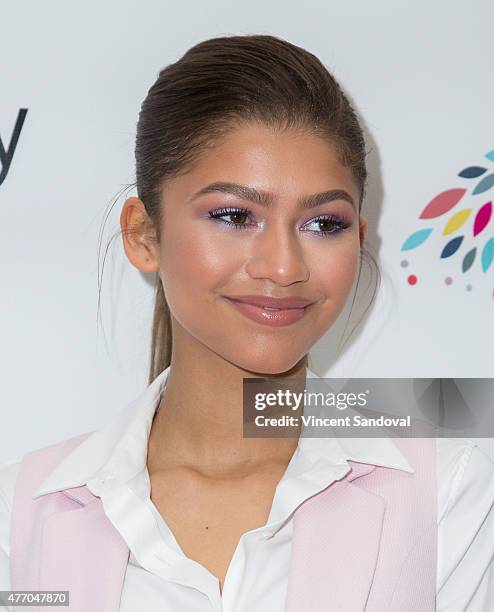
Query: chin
(269,364)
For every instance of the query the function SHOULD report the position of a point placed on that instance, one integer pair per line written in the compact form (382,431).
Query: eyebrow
(264,198)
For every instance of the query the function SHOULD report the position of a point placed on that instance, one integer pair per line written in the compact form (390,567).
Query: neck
(199,422)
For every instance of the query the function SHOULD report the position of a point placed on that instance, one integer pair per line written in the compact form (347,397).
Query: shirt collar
(380,451)
(118,450)
(100,454)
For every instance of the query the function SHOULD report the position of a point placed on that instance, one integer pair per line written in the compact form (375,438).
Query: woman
(250,168)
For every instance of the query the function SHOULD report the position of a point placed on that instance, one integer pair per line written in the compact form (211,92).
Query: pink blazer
(368,542)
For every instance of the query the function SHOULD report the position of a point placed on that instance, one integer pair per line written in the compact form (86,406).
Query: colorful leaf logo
(442,203)
(451,247)
(416,239)
(456,221)
(468,259)
(482,218)
(485,184)
(487,254)
(472,172)
(472,231)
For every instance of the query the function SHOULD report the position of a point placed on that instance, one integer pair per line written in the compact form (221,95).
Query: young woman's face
(227,242)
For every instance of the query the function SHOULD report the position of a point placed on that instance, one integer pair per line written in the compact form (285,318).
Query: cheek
(334,275)
(194,265)
(335,271)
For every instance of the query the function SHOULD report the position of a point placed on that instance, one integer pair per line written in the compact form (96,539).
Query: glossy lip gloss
(267,316)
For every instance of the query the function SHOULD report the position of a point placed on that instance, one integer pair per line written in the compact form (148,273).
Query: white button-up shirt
(112,463)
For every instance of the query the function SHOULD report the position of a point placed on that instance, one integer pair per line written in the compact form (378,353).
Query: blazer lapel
(83,553)
(335,547)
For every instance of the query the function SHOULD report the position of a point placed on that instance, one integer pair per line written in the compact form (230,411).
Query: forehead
(282,161)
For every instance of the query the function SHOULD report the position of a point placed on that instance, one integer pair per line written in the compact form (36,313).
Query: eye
(327,224)
(238,216)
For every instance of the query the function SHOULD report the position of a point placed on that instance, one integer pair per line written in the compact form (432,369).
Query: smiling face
(247,220)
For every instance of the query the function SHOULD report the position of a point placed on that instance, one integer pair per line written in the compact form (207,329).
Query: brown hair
(216,85)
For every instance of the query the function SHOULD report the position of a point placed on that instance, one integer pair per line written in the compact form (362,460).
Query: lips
(268,310)
(269,302)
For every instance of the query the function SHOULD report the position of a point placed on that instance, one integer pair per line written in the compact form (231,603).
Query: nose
(277,255)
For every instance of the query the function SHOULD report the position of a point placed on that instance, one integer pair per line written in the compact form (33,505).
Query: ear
(139,238)
(362,229)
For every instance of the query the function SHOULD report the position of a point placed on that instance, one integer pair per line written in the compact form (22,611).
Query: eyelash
(221,212)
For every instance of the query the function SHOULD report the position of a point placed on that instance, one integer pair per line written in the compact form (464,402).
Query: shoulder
(9,474)
(466,526)
(9,471)
(465,474)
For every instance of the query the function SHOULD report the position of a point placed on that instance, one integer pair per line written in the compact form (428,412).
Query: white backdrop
(420,75)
